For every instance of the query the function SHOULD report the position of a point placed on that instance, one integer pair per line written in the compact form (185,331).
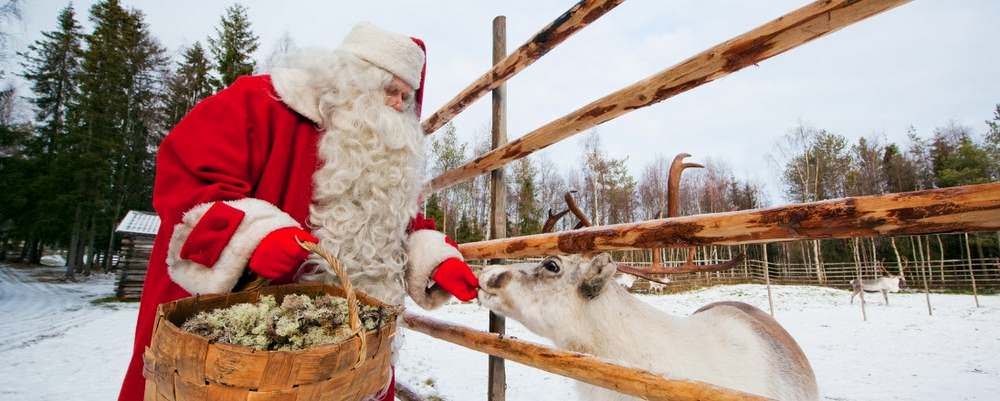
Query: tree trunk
(979,247)
(36,251)
(23,255)
(862,255)
(805,258)
(818,258)
(91,234)
(941,249)
(74,243)
(899,264)
(106,262)
(875,260)
(32,256)
(729,254)
(746,262)
(787,259)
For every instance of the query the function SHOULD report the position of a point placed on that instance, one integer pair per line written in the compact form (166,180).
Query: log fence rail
(970,208)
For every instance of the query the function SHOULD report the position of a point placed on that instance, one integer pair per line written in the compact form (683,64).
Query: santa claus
(327,148)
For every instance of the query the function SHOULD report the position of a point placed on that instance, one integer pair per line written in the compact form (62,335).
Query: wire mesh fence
(916,261)
(949,275)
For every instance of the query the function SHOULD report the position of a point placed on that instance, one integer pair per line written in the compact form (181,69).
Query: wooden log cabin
(138,230)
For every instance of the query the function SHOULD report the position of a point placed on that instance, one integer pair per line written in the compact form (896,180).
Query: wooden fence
(960,209)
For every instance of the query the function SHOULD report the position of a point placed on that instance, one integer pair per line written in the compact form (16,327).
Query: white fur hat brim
(391,51)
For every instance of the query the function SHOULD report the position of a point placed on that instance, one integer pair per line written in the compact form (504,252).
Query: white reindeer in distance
(884,284)
(575,302)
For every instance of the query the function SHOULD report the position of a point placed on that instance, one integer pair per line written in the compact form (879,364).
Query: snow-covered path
(57,345)
(43,310)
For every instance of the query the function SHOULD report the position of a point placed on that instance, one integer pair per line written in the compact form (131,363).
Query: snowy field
(55,344)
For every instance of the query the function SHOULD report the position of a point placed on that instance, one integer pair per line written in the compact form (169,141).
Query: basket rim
(386,329)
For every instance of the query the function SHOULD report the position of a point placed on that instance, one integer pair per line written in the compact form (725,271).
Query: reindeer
(884,284)
(575,302)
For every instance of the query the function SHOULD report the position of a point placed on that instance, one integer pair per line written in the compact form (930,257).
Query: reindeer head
(544,295)
(894,283)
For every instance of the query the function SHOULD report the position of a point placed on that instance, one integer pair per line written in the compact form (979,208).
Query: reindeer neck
(610,321)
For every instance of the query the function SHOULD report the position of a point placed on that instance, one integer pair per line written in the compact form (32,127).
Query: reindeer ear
(596,276)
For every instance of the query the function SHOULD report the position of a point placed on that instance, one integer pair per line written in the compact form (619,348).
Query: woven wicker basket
(181,366)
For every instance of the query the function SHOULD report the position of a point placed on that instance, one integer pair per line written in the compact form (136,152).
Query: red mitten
(278,255)
(455,276)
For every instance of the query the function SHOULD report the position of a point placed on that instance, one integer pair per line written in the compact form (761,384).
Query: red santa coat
(256,150)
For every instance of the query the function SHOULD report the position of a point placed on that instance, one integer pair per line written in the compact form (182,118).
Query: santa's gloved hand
(278,255)
(454,276)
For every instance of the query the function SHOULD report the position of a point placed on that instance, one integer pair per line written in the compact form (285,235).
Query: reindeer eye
(551,266)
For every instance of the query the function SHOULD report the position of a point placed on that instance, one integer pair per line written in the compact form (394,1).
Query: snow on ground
(55,344)
(900,353)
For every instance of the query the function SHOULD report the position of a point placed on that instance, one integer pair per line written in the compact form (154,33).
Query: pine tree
(447,153)
(115,125)
(467,231)
(233,46)
(958,160)
(528,212)
(52,66)
(992,144)
(189,84)
(433,210)
(899,171)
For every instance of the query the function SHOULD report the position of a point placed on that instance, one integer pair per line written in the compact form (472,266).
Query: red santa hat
(403,56)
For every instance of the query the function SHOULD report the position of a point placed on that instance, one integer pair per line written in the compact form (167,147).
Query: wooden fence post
(924,266)
(497,390)
(972,275)
(857,267)
(767,279)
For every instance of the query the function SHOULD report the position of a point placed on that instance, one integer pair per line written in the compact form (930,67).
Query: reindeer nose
(498,280)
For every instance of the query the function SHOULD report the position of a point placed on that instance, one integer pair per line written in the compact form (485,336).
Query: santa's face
(397,94)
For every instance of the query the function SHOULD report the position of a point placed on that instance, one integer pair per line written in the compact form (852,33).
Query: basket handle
(349,293)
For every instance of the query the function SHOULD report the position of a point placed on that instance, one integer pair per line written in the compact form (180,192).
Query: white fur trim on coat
(261,219)
(293,87)
(393,52)
(426,249)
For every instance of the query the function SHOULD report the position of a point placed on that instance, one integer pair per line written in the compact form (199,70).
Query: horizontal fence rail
(957,209)
(583,367)
(782,34)
(570,22)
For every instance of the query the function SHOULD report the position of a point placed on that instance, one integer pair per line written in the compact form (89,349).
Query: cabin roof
(139,222)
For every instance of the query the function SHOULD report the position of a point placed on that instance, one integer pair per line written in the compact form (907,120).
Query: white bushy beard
(366,191)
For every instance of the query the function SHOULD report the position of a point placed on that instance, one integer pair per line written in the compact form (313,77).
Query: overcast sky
(922,64)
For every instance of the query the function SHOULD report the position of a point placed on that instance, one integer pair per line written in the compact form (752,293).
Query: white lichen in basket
(299,322)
